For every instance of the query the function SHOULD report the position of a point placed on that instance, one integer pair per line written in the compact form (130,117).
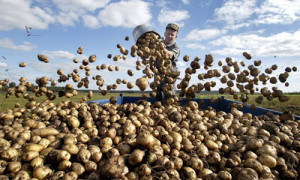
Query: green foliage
(12,84)
(292,105)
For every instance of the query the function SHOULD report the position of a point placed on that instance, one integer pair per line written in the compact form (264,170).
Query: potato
(211,145)
(92,58)
(45,151)
(77,168)
(83,155)
(3,165)
(44,132)
(9,154)
(14,166)
(70,175)
(29,155)
(186,58)
(267,149)
(21,175)
(224,175)
(64,165)
(43,58)
(96,157)
(236,112)
(37,162)
(63,155)
(204,172)
(142,83)
(4,177)
(41,172)
(83,137)
(247,55)
(113,168)
(90,166)
(34,147)
(130,85)
(80,50)
(23,64)
(136,157)
(44,142)
(244,174)
(202,150)
(73,122)
(254,164)
(267,160)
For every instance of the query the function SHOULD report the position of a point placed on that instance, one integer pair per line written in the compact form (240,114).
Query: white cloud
(3,64)
(228,51)
(235,11)
(238,14)
(199,35)
(281,44)
(19,13)
(278,11)
(195,46)
(52,67)
(79,5)
(168,15)
(58,54)
(90,21)
(237,26)
(162,3)
(181,64)
(67,18)
(39,14)
(70,11)
(8,43)
(127,13)
(185,1)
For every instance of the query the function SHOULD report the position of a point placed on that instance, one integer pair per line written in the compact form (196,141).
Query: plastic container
(140,30)
(223,105)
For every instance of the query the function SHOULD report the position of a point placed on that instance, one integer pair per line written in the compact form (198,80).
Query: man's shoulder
(173,45)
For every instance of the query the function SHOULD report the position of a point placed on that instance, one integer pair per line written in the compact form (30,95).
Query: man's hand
(170,53)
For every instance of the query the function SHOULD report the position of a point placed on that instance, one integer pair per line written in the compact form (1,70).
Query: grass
(292,105)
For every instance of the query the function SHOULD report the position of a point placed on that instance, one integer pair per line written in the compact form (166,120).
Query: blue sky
(268,29)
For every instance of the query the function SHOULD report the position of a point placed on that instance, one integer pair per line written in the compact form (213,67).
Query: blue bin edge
(223,105)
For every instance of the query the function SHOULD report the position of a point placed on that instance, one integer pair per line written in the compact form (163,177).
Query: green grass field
(292,105)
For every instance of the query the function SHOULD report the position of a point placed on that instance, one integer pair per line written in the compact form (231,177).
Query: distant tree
(12,84)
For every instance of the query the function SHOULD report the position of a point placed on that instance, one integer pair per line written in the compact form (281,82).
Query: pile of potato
(80,140)
(143,141)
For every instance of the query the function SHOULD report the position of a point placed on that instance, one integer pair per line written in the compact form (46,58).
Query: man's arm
(173,52)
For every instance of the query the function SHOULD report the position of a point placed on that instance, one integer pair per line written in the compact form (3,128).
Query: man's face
(170,36)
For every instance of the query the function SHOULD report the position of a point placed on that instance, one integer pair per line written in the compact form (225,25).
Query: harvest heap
(76,140)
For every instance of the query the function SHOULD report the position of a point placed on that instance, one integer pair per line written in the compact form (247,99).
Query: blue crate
(222,105)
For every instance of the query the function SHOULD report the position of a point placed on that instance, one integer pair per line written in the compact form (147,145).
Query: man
(171,46)
(173,51)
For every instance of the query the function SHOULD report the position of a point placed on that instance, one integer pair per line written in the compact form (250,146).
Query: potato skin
(41,172)
(21,175)
(14,166)
(267,160)
(44,132)
(254,164)
(9,154)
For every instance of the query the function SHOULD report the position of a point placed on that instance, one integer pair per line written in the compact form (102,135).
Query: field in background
(292,105)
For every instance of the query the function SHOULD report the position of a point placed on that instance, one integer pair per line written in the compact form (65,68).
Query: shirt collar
(170,44)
